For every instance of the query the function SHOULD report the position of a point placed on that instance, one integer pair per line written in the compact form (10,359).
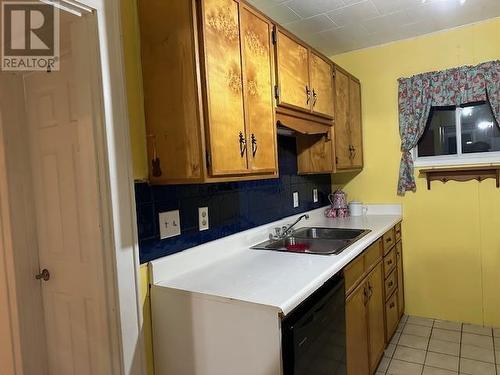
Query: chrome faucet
(280,233)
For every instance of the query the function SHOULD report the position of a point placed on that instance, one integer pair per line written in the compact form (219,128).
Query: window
(459,135)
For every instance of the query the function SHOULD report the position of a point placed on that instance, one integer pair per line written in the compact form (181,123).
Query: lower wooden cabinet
(374,302)
(375,312)
(357,332)
(401,293)
(365,324)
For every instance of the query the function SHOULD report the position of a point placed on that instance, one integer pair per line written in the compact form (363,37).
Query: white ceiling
(336,26)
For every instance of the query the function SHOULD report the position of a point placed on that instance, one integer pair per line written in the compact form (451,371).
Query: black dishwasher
(313,335)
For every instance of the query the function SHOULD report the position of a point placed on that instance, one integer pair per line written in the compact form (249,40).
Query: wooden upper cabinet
(305,79)
(322,86)
(355,123)
(348,126)
(293,73)
(223,67)
(342,133)
(357,344)
(257,55)
(209,91)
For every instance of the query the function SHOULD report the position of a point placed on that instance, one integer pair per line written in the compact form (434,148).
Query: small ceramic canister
(357,209)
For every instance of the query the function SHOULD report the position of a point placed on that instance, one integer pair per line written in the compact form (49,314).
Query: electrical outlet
(315,195)
(203,218)
(295,199)
(170,224)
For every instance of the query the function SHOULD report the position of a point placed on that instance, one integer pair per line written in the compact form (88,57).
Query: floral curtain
(452,87)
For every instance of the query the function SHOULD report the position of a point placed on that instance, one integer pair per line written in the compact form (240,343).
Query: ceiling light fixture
(467,111)
(483,125)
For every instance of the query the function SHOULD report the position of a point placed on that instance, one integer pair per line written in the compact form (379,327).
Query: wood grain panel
(171,99)
(376,306)
(391,313)
(401,293)
(355,123)
(322,86)
(258,91)
(293,72)
(314,154)
(357,333)
(342,134)
(223,71)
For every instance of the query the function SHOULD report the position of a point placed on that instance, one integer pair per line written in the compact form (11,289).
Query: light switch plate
(203,218)
(170,224)
(295,199)
(315,195)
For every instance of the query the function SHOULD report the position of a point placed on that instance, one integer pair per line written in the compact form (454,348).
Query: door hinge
(274,35)
(276,91)
(209,159)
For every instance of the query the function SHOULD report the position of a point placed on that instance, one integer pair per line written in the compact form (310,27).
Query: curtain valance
(452,87)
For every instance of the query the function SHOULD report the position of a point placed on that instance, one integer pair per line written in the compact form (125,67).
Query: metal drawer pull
(254,145)
(389,262)
(392,305)
(308,94)
(44,275)
(243,144)
(391,284)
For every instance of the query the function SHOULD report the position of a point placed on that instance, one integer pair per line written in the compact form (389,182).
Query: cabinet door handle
(315,98)
(391,284)
(392,305)
(365,293)
(389,262)
(254,145)
(388,240)
(243,144)
(308,94)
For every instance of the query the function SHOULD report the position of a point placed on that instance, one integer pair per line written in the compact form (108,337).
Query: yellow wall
(451,233)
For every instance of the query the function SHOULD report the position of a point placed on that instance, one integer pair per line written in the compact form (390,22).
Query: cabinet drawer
(392,315)
(373,255)
(397,232)
(389,262)
(391,284)
(389,240)
(353,273)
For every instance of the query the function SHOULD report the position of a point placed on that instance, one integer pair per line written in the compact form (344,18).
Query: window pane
(440,136)
(480,132)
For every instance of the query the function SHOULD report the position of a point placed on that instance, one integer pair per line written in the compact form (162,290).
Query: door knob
(44,275)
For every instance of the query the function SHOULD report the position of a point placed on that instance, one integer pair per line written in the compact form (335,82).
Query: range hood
(290,125)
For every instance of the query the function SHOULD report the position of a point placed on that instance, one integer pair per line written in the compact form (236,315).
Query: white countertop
(227,268)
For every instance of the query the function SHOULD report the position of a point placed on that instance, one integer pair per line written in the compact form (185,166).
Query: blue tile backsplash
(232,206)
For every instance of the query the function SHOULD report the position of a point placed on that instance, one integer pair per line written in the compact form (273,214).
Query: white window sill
(447,161)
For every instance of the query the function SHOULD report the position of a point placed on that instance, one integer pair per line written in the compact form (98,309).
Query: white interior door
(61,144)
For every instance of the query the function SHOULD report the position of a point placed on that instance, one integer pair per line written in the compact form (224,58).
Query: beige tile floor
(434,347)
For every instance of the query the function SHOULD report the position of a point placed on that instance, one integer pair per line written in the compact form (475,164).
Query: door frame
(117,203)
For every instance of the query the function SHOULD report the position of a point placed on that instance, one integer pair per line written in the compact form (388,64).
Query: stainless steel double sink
(314,240)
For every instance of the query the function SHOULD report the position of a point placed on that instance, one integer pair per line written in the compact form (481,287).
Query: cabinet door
(314,154)
(355,123)
(342,134)
(293,73)
(258,91)
(376,305)
(401,293)
(224,93)
(322,86)
(357,332)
